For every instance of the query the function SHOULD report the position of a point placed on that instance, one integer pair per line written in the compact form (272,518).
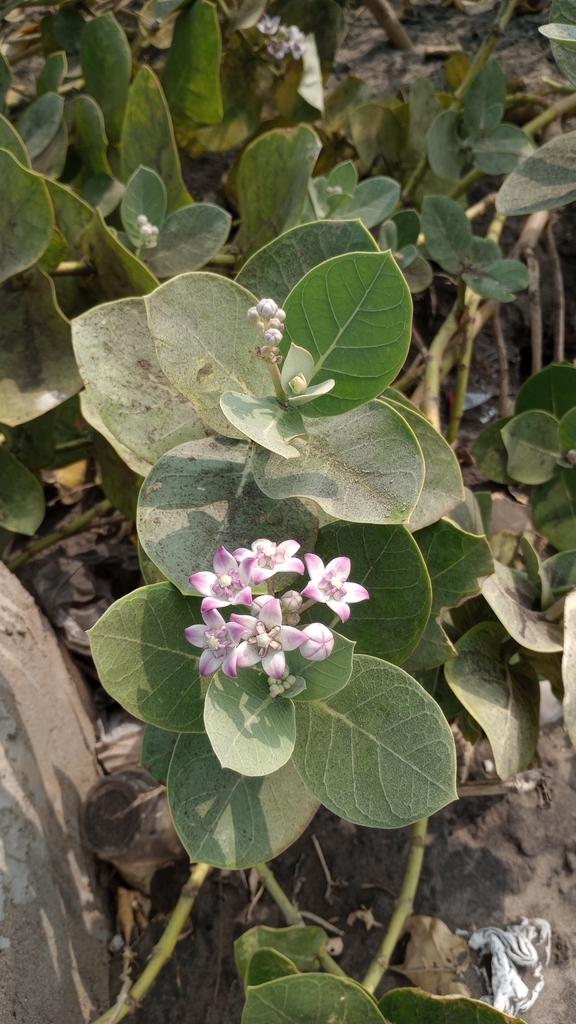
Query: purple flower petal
(203,582)
(241,553)
(224,561)
(340,608)
(291,565)
(290,547)
(248,622)
(340,565)
(230,662)
(355,592)
(243,596)
(208,663)
(196,635)
(291,638)
(236,631)
(210,613)
(271,614)
(247,655)
(311,591)
(245,569)
(274,664)
(315,567)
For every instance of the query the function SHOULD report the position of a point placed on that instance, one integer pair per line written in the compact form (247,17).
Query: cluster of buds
(268,319)
(284,39)
(148,232)
(270,630)
(568,460)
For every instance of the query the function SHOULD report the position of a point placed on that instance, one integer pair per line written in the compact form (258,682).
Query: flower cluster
(268,319)
(148,232)
(284,39)
(264,635)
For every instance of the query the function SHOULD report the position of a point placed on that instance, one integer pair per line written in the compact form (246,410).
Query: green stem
(415,179)
(430,404)
(404,908)
(486,49)
(465,183)
(223,259)
(72,268)
(165,948)
(53,538)
(472,302)
(292,915)
(277,382)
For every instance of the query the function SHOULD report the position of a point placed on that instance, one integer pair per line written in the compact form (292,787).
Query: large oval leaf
(201,495)
(144,660)
(157,749)
(39,124)
(365,466)
(411,1005)
(275,270)
(310,999)
(387,561)
(11,140)
(230,820)
(21,496)
(323,678)
(107,67)
(188,239)
(553,389)
(511,597)
(272,182)
(250,732)
(545,181)
(533,445)
(191,78)
(300,945)
(379,752)
(26,217)
(205,342)
(490,452)
(352,309)
(503,701)
(117,357)
(554,507)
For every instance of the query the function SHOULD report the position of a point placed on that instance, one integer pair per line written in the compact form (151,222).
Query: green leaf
(144,660)
(246,82)
(311,998)
(559,574)
(189,238)
(120,274)
(455,560)
(352,307)
(107,68)
(91,141)
(377,135)
(445,150)
(553,389)
(278,267)
(325,19)
(105,194)
(411,1005)
(387,561)
(145,195)
(499,280)
(272,182)
(157,749)
(53,73)
(191,78)
(490,452)
(443,488)
(468,515)
(250,732)
(434,682)
(545,181)
(249,13)
(200,496)
(563,11)
(33,443)
(554,508)
(10,140)
(424,109)
(407,224)
(138,403)
(72,217)
(418,275)
(267,965)
(512,598)
(37,365)
(52,160)
(40,122)
(264,420)
(21,497)
(205,342)
(5,80)
(89,402)
(531,440)
(569,667)
(567,430)
(148,138)
(311,86)
(230,820)
(503,701)
(563,34)
(374,199)
(379,752)
(119,483)
(376,479)
(68,26)
(323,678)
(502,151)
(485,101)
(341,102)
(448,233)
(300,945)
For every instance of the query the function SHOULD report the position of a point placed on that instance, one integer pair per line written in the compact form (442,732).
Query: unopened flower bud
(291,618)
(273,337)
(291,601)
(267,308)
(571,456)
(334,190)
(319,642)
(277,324)
(280,315)
(141,219)
(253,314)
(299,384)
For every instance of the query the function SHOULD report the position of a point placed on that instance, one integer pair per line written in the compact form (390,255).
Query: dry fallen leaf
(367,918)
(70,481)
(435,958)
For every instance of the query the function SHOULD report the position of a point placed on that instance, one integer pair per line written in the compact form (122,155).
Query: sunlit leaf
(107,68)
(157,749)
(264,420)
(545,181)
(191,79)
(189,238)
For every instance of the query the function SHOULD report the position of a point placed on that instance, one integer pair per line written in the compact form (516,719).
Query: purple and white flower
(230,581)
(218,639)
(329,584)
(265,639)
(267,25)
(319,642)
(267,558)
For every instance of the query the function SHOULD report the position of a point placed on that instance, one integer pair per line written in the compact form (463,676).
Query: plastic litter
(512,948)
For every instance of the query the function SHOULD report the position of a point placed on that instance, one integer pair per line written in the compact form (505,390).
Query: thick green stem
(165,948)
(430,404)
(277,382)
(404,908)
(486,49)
(415,179)
(223,259)
(293,915)
(471,308)
(72,268)
(54,538)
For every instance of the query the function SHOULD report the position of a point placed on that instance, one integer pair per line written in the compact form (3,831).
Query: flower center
(268,556)
(227,583)
(217,642)
(263,640)
(332,585)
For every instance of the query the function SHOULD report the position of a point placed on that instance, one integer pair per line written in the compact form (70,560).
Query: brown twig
(535,309)
(559,297)
(486,205)
(388,20)
(503,400)
(530,234)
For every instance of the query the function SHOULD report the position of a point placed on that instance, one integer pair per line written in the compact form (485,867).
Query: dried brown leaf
(435,958)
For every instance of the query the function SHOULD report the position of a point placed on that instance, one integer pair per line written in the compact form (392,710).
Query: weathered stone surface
(53,922)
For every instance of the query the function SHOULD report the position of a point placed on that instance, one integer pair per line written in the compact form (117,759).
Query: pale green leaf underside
(511,597)
(323,678)
(265,421)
